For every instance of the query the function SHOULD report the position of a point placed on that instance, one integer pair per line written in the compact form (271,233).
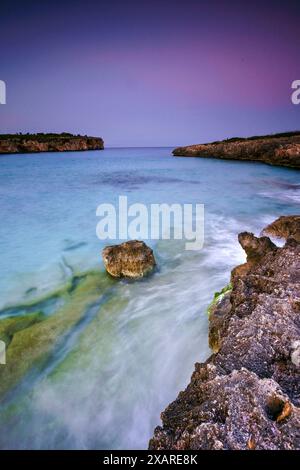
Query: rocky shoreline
(32,143)
(278,149)
(246,396)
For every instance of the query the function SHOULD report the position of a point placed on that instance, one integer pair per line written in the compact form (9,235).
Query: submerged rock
(31,339)
(247,394)
(132,259)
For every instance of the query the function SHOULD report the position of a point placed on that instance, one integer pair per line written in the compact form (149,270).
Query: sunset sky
(150,73)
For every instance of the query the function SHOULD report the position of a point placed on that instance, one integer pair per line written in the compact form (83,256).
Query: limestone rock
(247,394)
(279,149)
(132,259)
(34,143)
(284,227)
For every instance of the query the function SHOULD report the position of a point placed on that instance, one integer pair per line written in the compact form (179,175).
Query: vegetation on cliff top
(275,149)
(257,137)
(44,137)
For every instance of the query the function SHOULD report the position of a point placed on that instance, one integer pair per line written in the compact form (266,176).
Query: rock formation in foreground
(284,227)
(247,394)
(32,143)
(132,259)
(278,149)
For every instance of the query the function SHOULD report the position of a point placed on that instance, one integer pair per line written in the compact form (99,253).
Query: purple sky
(150,73)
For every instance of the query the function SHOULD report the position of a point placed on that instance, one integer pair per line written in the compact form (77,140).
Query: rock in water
(247,394)
(132,259)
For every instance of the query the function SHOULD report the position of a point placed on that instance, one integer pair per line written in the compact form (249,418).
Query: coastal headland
(275,149)
(32,143)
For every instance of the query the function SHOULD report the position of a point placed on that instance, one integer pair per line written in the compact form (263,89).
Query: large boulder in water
(132,259)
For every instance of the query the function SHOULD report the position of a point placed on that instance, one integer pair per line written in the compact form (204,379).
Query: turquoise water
(136,348)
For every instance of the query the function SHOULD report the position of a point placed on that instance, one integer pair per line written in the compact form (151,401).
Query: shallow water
(133,349)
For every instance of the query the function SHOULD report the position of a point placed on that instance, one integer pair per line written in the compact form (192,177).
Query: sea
(116,352)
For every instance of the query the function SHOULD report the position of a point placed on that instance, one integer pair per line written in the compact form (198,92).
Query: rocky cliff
(31,143)
(247,394)
(278,149)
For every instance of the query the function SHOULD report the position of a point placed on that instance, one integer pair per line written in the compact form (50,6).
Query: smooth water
(134,350)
